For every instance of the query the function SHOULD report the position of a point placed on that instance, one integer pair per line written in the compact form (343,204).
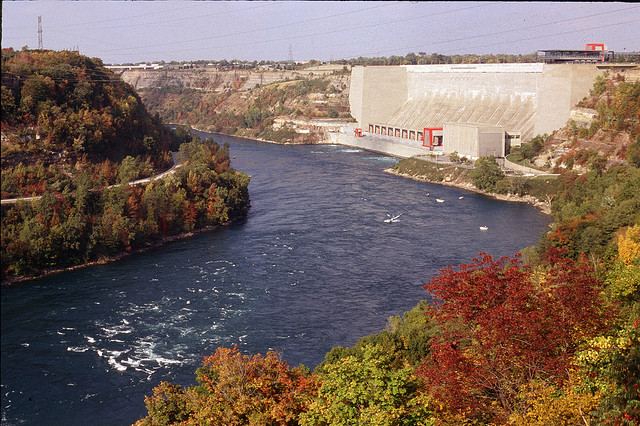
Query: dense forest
(76,137)
(546,337)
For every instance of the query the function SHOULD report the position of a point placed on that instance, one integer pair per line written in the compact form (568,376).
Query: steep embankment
(601,132)
(245,103)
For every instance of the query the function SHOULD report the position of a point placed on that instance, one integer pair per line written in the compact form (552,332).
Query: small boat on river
(484,228)
(440,200)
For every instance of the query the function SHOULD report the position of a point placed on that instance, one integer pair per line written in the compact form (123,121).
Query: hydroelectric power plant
(472,109)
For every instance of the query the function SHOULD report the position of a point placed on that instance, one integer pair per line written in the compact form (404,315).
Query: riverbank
(109,259)
(462,182)
(529,199)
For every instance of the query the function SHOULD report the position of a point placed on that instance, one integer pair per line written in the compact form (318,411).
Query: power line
(266,4)
(421,46)
(333,31)
(505,42)
(255,30)
(123,18)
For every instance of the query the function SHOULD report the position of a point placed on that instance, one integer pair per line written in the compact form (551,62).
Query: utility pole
(39,32)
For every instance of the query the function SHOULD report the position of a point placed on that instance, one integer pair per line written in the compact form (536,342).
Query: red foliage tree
(503,326)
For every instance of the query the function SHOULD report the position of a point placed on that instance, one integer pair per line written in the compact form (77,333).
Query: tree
(128,170)
(550,405)
(366,389)
(487,174)
(633,152)
(167,406)
(235,389)
(8,105)
(610,363)
(504,326)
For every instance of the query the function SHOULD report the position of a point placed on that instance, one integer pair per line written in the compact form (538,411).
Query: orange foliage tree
(235,389)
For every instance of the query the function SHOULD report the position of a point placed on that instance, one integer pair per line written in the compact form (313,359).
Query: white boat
(440,200)
(460,198)
(392,219)
(484,228)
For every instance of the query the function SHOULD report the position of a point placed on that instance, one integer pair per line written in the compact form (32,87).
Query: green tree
(487,174)
(8,105)
(633,152)
(128,170)
(368,390)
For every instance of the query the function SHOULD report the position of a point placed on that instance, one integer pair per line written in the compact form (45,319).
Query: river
(313,266)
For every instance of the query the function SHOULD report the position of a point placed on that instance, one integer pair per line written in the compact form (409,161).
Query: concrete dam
(473,109)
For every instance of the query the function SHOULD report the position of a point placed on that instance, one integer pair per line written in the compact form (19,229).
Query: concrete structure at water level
(472,109)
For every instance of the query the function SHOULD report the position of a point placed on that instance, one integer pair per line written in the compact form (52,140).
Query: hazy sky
(135,31)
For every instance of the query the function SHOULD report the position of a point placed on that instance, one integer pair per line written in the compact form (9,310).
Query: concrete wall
(377,92)
(474,140)
(377,144)
(462,139)
(561,87)
(529,99)
(491,142)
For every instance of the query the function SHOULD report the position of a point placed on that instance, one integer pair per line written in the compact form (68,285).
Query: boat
(392,219)
(440,200)
(484,228)
(426,195)
(460,198)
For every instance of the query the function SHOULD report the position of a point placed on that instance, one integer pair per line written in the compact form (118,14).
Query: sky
(149,31)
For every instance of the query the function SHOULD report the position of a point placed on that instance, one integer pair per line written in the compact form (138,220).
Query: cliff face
(213,80)
(257,104)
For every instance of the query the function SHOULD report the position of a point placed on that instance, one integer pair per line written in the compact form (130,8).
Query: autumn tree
(504,326)
(610,362)
(235,389)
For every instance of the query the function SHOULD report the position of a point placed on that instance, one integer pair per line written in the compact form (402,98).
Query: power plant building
(474,140)
(463,107)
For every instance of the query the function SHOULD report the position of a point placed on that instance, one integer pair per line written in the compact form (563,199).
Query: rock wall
(211,79)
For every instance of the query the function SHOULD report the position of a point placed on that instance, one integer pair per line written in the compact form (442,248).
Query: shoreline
(543,207)
(529,199)
(110,259)
(256,139)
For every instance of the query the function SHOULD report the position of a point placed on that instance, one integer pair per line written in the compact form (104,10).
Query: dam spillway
(523,99)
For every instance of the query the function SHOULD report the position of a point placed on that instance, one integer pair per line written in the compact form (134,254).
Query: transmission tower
(290,54)
(39,32)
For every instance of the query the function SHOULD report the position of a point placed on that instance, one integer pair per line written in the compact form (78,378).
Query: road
(173,169)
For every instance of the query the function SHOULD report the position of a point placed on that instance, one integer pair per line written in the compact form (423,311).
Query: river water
(313,266)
